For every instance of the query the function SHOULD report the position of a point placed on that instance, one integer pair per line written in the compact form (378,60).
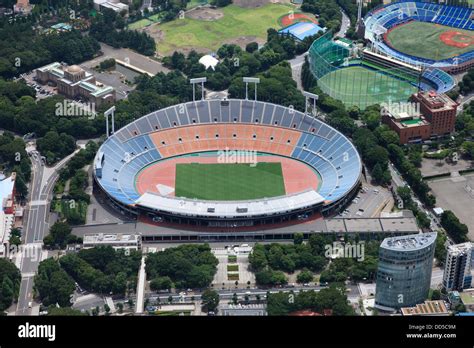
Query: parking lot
(42,91)
(369,202)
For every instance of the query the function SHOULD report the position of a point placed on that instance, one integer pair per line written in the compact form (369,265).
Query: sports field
(233,24)
(363,87)
(229,182)
(425,40)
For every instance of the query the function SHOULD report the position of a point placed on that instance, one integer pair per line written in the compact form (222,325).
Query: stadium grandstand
(456,21)
(195,131)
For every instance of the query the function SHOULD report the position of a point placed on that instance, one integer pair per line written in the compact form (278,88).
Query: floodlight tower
(110,111)
(200,80)
(248,80)
(310,96)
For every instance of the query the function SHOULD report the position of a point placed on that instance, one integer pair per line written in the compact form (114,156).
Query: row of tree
(186,266)
(103,270)
(333,298)
(455,228)
(108,27)
(10,279)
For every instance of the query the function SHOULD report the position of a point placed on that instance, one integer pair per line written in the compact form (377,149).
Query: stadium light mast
(200,80)
(310,96)
(110,111)
(248,80)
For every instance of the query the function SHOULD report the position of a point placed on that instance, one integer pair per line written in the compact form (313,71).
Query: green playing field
(229,182)
(421,39)
(360,86)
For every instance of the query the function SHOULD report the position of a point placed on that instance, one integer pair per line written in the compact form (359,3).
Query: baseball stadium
(411,46)
(423,34)
(228,163)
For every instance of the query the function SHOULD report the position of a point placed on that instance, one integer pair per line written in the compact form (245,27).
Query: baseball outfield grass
(421,39)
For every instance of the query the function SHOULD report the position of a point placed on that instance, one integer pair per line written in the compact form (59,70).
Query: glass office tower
(404,270)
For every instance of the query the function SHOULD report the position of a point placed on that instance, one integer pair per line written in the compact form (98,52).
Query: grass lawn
(67,208)
(139,24)
(363,87)
(232,268)
(237,22)
(194,3)
(229,182)
(421,39)
(232,258)
(233,276)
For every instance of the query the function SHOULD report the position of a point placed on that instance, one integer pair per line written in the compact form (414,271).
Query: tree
(457,230)
(10,278)
(53,285)
(436,295)
(298,238)
(58,235)
(378,174)
(188,266)
(251,47)
(305,276)
(210,300)
(161,283)
(6,293)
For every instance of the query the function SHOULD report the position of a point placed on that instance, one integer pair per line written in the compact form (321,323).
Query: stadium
(228,163)
(423,34)
(411,46)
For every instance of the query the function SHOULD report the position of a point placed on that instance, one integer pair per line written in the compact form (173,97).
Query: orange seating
(211,137)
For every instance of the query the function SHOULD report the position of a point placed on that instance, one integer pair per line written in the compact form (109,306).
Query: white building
(115,5)
(7,211)
(457,270)
(116,241)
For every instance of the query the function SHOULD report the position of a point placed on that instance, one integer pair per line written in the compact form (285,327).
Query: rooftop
(460,248)
(409,242)
(435,101)
(467,297)
(101,238)
(426,308)
(6,189)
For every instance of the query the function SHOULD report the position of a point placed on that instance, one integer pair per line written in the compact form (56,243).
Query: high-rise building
(404,270)
(457,270)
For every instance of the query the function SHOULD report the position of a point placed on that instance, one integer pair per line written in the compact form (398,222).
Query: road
(296,66)
(465,100)
(345,24)
(36,227)
(228,294)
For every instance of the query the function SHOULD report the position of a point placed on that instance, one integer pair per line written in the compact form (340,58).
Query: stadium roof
(302,30)
(191,207)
